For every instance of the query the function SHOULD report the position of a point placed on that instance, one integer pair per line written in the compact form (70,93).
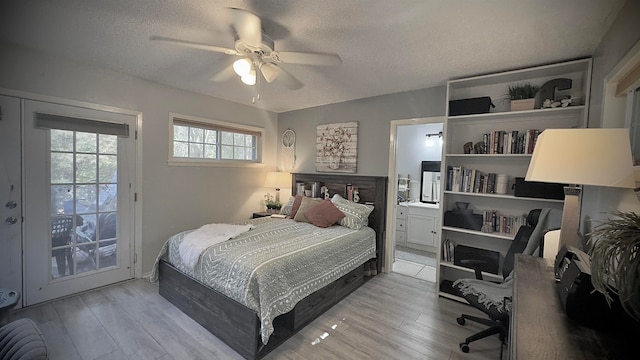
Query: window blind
(59,122)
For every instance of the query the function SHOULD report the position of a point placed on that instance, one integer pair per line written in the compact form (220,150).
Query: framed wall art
(337,147)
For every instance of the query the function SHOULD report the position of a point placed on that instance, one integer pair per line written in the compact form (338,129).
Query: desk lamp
(277,180)
(599,157)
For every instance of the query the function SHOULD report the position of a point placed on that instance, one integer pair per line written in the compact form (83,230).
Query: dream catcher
(288,150)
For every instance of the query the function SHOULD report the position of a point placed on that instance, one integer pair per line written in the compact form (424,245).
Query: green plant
(271,202)
(522,91)
(615,260)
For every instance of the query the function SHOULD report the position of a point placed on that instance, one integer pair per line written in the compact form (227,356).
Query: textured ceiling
(386,46)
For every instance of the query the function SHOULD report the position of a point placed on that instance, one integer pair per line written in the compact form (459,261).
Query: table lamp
(599,157)
(277,180)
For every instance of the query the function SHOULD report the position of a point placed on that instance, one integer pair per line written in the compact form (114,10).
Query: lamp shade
(600,157)
(277,180)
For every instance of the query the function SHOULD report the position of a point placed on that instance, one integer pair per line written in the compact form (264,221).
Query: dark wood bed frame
(237,325)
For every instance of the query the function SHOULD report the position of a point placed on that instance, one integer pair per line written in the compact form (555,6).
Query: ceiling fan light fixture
(250,78)
(269,71)
(242,67)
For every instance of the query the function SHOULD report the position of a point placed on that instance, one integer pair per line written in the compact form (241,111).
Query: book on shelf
(448,247)
(510,142)
(493,222)
(460,179)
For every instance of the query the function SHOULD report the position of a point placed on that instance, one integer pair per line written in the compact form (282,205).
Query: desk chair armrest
(475,265)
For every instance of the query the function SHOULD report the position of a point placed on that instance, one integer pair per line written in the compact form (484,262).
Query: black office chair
(494,299)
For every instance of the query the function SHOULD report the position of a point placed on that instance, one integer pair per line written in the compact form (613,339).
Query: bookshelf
(502,160)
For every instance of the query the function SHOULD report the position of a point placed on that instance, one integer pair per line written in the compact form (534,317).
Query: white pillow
(286,209)
(356,215)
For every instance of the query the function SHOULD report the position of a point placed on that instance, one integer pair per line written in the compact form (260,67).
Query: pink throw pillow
(324,214)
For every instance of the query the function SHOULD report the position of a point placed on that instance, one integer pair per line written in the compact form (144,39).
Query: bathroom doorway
(413,217)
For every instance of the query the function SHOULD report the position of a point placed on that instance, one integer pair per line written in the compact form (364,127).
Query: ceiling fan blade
(269,71)
(288,80)
(247,26)
(306,58)
(224,74)
(195,45)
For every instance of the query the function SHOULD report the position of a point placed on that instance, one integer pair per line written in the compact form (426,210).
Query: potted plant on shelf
(272,204)
(523,96)
(615,260)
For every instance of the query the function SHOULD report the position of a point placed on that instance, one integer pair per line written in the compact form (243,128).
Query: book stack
(460,179)
(448,247)
(510,142)
(492,222)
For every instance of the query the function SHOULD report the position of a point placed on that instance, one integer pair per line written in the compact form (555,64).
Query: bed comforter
(275,265)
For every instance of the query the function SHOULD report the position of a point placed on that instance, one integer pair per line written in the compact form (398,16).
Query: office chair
(494,299)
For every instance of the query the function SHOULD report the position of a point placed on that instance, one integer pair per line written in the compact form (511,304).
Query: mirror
(430,182)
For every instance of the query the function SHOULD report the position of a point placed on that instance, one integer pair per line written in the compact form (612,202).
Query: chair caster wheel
(460,320)
(464,347)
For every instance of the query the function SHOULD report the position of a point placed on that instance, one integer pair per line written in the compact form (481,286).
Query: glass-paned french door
(79,167)
(84,192)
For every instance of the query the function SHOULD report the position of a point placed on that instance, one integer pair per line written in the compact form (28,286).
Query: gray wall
(173,198)
(373,115)
(623,34)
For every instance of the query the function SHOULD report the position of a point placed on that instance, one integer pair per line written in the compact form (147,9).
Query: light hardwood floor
(392,316)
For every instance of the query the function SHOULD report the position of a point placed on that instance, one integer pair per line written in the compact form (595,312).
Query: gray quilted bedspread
(278,263)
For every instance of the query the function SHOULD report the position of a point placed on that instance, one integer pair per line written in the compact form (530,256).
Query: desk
(540,329)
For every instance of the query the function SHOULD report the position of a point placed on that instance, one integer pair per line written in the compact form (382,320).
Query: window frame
(219,126)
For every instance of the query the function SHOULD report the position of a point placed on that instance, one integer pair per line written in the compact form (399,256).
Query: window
(210,142)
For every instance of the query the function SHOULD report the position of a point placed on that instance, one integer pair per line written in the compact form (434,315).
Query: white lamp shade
(277,180)
(242,67)
(600,157)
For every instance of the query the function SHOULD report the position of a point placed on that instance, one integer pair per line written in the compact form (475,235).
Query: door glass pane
(107,225)
(108,199)
(86,142)
(108,168)
(61,168)
(108,144)
(107,254)
(61,140)
(86,168)
(85,257)
(86,199)
(61,199)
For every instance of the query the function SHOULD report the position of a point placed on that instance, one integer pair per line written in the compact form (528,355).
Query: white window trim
(208,162)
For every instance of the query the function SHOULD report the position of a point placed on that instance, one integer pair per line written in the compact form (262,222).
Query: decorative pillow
(286,208)
(356,215)
(296,204)
(306,204)
(324,214)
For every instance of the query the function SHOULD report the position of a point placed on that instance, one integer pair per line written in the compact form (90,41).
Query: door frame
(390,243)
(136,251)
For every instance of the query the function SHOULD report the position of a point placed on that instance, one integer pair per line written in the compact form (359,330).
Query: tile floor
(416,270)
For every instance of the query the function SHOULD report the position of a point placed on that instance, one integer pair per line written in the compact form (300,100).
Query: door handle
(11,205)
(11,220)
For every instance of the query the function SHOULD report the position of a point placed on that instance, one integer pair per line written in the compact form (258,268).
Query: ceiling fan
(257,53)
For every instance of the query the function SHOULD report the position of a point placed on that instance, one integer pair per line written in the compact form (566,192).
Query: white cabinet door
(421,230)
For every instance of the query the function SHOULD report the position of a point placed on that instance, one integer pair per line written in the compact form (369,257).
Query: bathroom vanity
(417,225)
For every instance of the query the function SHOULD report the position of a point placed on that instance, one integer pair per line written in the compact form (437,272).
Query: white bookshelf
(461,129)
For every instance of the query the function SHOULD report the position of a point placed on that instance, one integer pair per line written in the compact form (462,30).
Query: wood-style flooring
(392,316)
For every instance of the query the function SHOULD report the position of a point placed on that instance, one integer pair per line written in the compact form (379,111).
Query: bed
(277,277)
